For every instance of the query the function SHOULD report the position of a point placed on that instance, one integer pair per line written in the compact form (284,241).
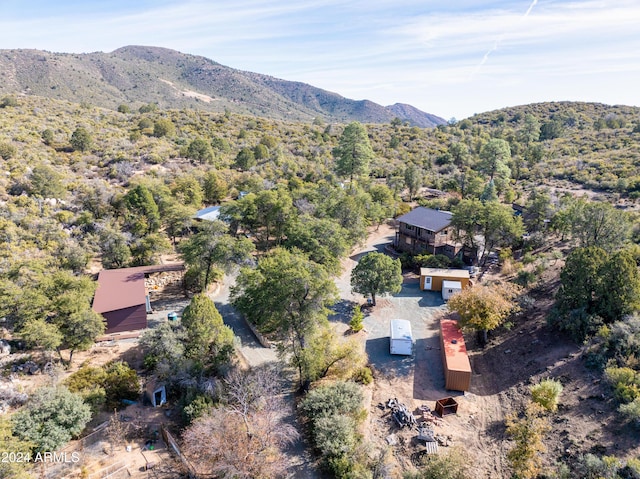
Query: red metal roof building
(121,296)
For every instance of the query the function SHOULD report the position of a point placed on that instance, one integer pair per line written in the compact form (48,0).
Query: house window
(427,280)
(408,240)
(450,291)
(408,227)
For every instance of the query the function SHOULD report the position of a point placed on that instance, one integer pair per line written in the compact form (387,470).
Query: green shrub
(625,382)
(338,398)
(164,127)
(81,139)
(340,466)
(505,254)
(334,435)
(357,319)
(154,159)
(48,137)
(436,261)
(452,465)
(525,278)
(88,381)
(51,418)
(200,406)
(148,108)
(363,376)
(632,411)
(592,466)
(7,151)
(546,393)
(8,101)
(121,382)
(402,208)
(333,413)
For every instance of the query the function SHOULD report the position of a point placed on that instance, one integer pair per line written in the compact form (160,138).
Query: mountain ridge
(137,75)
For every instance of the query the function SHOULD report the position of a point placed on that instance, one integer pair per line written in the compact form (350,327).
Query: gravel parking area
(421,373)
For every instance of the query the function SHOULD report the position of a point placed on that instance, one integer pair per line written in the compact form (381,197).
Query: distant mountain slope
(137,75)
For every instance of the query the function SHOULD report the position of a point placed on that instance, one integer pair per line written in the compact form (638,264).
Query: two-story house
(424,230)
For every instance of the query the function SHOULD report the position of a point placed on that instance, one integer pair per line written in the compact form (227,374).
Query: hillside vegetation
(136,75)
(86,187)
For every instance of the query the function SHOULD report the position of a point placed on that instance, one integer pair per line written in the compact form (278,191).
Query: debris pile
(401,414)
(424,424)
(161,279)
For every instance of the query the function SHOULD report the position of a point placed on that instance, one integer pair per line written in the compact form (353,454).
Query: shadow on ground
(386,363)
(428,381)
(379,247)
(342,311)
(236,323)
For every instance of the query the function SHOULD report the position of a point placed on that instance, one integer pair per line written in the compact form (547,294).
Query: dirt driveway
(418,380)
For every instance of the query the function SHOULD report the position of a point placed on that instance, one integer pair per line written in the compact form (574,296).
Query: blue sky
(452,59)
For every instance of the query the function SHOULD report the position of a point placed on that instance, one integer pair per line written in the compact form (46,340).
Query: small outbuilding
(455,360)
(156,393)
(449,288)
(122,298)
(211,213)
(431,279)
(401,340)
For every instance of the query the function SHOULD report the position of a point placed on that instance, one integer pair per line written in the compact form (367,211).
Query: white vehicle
(401,341)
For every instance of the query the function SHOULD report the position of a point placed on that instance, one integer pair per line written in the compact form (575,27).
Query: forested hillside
(137,75)
(82,188)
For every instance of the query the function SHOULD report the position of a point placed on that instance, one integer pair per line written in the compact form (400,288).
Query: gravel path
(250,348)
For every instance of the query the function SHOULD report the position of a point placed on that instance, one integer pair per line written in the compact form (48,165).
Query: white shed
(401,341)
(449,288)
(156,393)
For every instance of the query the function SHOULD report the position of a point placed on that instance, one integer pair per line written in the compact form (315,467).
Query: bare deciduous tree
(244,438)
(117,431)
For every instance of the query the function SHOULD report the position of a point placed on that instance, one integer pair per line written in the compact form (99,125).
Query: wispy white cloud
(423,52)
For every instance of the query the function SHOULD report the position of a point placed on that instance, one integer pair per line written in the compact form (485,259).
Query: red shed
(121,296)
(457,368)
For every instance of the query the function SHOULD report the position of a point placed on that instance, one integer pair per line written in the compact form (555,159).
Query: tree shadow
(428,381)
(386,363)
(516,356)
(342,311)
(410,290)
(232,318)
(378,247)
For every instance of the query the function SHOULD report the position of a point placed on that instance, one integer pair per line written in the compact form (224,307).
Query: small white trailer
(449,288)
(401,341)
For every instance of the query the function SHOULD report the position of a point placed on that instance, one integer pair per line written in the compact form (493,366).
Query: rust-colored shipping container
(457,368)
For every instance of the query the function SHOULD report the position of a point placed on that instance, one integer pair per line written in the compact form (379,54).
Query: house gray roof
(432,220)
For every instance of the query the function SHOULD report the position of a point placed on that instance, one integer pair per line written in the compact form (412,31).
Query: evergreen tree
(208,339)
(81,139)
(353,152)
(376,274)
